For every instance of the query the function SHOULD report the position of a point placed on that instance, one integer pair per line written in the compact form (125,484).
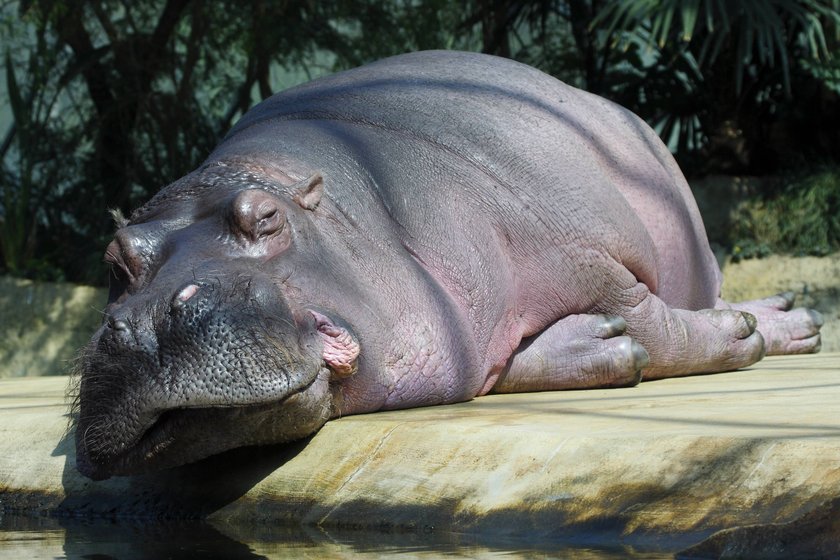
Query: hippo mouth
(162,444)
(185,435)
(153,444)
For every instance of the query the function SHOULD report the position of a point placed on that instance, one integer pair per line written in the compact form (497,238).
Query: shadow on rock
(189,492)
(814,535)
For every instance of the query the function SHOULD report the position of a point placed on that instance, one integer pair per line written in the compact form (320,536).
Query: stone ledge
(672,459)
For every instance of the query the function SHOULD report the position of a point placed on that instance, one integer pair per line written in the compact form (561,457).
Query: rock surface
(43,325)
(676,459)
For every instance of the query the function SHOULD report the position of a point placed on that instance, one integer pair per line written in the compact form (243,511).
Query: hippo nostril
(184,295)
(118,324)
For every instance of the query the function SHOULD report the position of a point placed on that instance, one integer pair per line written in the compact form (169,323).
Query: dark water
(48,538)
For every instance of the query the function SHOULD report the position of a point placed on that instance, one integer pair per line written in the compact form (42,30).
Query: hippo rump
(418,231)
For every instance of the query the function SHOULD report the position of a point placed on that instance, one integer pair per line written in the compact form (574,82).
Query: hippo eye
(118,282)
(255,215)
(120,278)
(270,223)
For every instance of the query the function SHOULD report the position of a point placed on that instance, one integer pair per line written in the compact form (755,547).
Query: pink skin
(659,277)
(340,348)
(589,217)
(188,292)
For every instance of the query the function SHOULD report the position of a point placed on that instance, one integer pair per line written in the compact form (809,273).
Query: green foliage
(827,72)
(758,30)
(34,154)
(16,195)
(802,217)
(717,77)
(112,100)
(366,30)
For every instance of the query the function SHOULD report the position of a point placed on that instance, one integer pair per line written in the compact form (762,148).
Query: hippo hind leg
(576,352)
(785,330)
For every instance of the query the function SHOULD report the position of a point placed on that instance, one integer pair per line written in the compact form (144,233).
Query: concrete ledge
(673,459)
(43,325)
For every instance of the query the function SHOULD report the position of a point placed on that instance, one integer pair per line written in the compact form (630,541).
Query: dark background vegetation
(109,100)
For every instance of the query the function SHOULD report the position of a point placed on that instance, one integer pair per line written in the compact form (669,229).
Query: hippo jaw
(217,368)
(184,435)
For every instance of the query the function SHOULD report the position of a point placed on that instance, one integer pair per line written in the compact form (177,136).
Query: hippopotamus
(418,231)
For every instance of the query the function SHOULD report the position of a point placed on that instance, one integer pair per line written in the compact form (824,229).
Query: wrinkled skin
(417,231)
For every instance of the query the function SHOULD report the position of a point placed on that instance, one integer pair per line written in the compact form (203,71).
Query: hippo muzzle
(168,382)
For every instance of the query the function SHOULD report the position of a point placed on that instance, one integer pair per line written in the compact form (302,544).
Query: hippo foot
(577,352)
(682,342)
(785,330)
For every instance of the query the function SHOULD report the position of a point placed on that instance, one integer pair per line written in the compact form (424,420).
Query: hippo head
(202,349)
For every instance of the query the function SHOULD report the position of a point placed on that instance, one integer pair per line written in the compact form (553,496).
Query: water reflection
(24,537)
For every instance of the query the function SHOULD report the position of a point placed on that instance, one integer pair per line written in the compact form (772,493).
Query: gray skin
(418,231)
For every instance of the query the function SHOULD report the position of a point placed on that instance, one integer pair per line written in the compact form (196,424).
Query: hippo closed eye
(418,231)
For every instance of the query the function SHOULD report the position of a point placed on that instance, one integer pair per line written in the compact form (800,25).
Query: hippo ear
(309,192)
(340,348)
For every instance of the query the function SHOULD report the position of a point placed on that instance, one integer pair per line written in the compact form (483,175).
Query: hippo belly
(418,231)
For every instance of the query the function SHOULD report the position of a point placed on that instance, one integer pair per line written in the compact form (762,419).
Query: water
(49,538)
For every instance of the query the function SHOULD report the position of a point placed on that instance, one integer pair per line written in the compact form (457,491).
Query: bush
(801,217)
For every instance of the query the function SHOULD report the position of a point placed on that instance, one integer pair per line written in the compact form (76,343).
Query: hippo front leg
(576,352)
(682,342)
